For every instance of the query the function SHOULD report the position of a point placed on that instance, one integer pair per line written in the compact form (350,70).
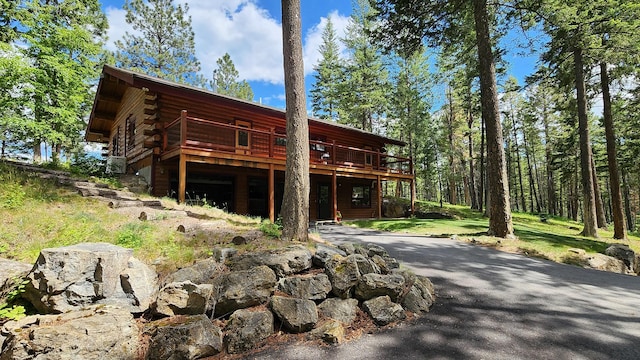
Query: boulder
(420,297)
(330,331)
(184,298)
(623,252)
(365,265)
(376,250)
(383,310)
(202,272)
(183,337)
(297,315)
(243,289)
(315,287)
(348,248)
(221,254)
(286,261)
(606,263)
(97,332)
(246,329)
(374,285)
(343,310)
(386,264)
(68,278)
(11,275)
(343,273)
(324,253)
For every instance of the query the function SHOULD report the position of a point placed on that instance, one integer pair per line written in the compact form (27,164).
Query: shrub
(132,235)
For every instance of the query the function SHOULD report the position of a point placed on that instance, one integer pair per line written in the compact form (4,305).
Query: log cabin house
(193,144)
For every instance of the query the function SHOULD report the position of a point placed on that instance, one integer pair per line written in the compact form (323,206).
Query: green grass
(551,239)
(36,213)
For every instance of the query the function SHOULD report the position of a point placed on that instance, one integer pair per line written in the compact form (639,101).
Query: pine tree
(165,46)
(225,80)
(365,90)
(325,92)
(64,42)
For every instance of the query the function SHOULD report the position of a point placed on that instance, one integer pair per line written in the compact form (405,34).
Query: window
(242,137)
(131,132)
(281,141)
(115,143)
(361,196)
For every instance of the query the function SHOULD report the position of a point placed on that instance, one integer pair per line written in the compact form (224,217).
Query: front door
(324,202)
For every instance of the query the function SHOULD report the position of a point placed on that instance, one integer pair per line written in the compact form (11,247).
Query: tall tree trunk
(589,210)
(517,151)
(532,183)
(295,206)
(453,199)
(551,191)
(627,201)
(37,152)
(512,186)
(482,192)
(600,216)
(619,229)
(472,178)
(500,223)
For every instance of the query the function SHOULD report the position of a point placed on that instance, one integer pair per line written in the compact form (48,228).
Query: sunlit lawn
(550,239)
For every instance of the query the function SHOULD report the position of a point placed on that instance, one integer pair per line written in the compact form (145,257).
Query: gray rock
(374,285)
(185,298)
(243,289)
(606,263)
(330,331)
(222,254)
(386,264)
(314,287)
(11,275)
(94,333)
(297,315)
(343,310)
(202,272)
(183,337)
(420,297)
(383,310)
(377,250)
(324,253)
(343,273)
(286,261)
(359,249)
(623,252)
(365,265)
(348,248)
(246,329)
(239,240)
(67,278)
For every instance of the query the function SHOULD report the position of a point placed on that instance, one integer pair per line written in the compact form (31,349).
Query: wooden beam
(334,196)
(150,111)
(379,189)
(272,194)
(109,98)
(182,179)
(148,144)
(104,116)
(150,119)
(152,132)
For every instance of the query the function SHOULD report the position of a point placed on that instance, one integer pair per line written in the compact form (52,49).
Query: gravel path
(495,305)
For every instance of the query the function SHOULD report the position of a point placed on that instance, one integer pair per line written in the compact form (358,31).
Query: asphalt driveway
(495,305)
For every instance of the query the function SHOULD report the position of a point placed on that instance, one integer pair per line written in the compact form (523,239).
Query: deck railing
(207,135)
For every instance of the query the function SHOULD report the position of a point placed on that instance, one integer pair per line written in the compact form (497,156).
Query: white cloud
(241,28)
(313,39)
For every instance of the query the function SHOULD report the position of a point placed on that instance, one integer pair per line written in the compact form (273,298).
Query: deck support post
(182,178)
(412,182)
(379,189)
(334,196)
(272,195)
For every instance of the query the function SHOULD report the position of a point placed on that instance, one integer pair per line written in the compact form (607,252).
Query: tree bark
(589,208)
(619,228)
(551,191)
(500,223)
(601,219)
(295,206)
(482,197)
(472,178)
(453,199)
(518,163)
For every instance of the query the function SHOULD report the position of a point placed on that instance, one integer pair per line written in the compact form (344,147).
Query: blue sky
(249,30)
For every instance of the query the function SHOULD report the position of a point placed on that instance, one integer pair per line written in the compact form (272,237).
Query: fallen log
(115,204)
(161,215)
(202,226)
(97,192)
